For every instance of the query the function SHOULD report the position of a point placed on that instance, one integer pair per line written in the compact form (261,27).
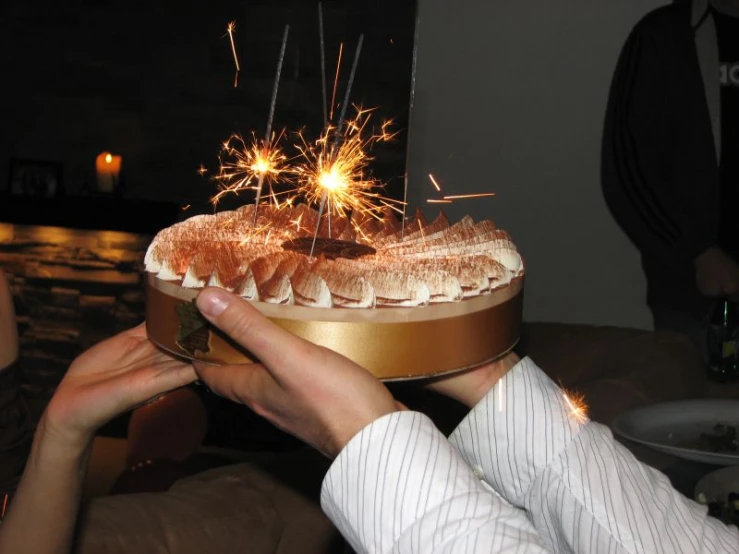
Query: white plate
(666,425)
(717,485)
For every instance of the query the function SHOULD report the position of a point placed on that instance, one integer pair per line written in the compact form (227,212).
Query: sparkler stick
(410,111)
(230,31)
(270,118)
(323,63)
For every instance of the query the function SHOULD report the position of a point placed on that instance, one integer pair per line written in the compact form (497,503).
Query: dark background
(153,82)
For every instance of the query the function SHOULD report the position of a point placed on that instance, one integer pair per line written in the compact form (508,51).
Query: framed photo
(37,178)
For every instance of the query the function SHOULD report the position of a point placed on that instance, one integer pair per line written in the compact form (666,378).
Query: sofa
(268,502)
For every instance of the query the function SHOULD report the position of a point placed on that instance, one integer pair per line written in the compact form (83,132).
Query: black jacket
(660,173)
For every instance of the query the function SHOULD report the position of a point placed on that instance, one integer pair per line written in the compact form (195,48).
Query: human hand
(717,274)
(470,386)
(112,377)
(309,391)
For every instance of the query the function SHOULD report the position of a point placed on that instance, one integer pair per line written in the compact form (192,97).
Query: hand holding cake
(298,386)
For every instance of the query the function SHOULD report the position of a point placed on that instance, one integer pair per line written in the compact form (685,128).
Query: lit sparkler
(230,31)
(242,164)
(577,406)
(338,176)
(267,137)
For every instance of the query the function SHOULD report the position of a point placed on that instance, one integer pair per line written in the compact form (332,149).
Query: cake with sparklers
(323,253)
(403,301)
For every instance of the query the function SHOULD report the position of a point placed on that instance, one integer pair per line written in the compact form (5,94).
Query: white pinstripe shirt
(519,474)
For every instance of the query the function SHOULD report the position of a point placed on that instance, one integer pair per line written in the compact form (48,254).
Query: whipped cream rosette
(438,298)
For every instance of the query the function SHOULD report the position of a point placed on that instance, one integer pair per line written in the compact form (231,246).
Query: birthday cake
(404,301)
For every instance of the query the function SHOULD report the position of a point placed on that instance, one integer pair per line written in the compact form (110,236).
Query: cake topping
(366,262)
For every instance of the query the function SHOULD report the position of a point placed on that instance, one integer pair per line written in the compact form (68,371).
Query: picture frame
(35,178)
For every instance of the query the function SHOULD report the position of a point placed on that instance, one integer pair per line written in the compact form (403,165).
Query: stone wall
(71,289)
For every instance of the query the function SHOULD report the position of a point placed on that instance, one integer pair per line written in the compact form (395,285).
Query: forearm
(42,515)
(399,486)
(584,491)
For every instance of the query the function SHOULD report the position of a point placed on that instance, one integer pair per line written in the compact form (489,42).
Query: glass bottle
(723,342)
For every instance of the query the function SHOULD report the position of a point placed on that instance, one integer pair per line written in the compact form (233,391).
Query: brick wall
(71,288)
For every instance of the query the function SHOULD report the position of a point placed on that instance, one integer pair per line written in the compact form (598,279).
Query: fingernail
(213,302)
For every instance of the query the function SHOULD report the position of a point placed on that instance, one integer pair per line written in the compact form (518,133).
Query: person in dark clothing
(670,157)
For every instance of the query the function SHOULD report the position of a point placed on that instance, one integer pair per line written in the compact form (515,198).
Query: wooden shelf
(105,213)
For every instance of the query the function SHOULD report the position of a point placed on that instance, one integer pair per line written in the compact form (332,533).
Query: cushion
(234,508)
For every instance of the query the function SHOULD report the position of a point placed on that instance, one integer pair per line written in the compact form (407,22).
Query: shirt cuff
(399,484)
(517,429)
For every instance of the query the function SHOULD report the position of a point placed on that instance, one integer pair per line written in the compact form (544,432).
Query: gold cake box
(392,343)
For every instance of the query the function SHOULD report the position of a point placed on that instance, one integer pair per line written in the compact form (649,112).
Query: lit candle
(108,167)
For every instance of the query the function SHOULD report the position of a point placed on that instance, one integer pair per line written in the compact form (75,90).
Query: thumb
(275,347)
(241,383)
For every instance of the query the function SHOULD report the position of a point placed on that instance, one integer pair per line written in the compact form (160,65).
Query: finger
(242,383)
(166,378)
(139,331)
(275,347)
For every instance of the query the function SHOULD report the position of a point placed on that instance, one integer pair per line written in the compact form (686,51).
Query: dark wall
(154,83)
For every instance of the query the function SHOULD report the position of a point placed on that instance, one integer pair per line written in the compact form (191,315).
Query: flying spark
(230,30)
(577,406)
(336,82)
(437,201)
(461,196)
(433,182)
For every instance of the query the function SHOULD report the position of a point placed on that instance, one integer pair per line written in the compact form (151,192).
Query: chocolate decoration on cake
(330,248)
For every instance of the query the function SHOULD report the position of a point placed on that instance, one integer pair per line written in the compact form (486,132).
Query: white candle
(108,167)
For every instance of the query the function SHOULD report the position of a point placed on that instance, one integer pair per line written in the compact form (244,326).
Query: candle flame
(108,158)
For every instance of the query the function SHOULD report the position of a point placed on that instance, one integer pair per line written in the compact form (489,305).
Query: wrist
(49,441)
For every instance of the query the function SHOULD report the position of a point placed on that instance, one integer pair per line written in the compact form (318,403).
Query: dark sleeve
(638,166)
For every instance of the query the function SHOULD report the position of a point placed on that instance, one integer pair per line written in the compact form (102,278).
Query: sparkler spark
(230,31)
(336,83)
(437,201)
(433,182)
(461,196)
(339,172)
(577,406)
(242,163)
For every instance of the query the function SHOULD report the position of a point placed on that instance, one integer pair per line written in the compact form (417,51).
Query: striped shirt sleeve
(583,491)
(400,487)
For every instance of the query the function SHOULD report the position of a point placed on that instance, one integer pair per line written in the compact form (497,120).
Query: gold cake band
(391,350)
